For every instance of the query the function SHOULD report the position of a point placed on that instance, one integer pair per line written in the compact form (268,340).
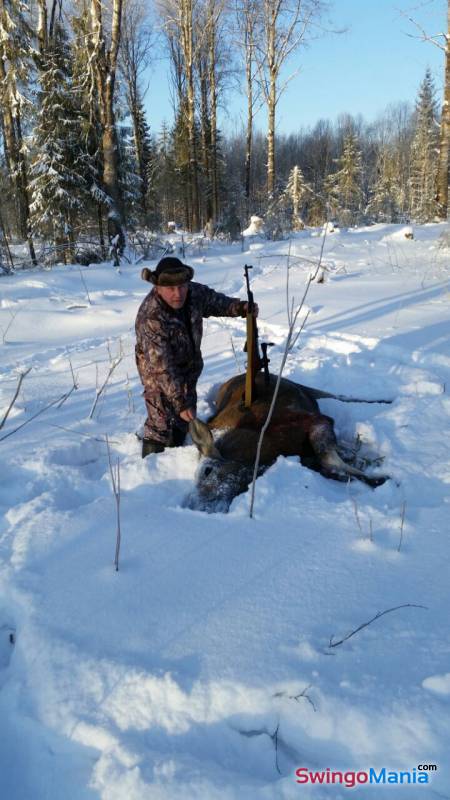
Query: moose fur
(297,427)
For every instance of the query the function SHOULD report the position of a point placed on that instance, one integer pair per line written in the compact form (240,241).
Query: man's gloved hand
(244,309)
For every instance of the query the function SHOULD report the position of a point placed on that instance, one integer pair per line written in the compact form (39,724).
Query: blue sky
(374,63)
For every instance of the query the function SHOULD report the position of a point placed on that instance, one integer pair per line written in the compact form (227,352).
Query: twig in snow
(16,394)
(81,433)
(355,507)
(66,396)
(74,386)
(287,282)
(401,526)
(290,342)
(131,408)
(235,354)
(100,391)
(377,616)
(115,481)
(297,697)
(85,285)
(274,738)
(30,419)
(5,331)
(305,695)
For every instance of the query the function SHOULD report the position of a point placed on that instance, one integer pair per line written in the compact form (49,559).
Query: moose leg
(323,441)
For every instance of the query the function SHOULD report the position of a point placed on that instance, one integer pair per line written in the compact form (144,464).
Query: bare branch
(85,285)
(291,340)
(424,36)
(16,394)
(377,616)
(5,331)
(80,433)
(30,419)
(401,526)
(74,387)
(274,738)
(355,507)
(303,694)
(115,481)
(99,391)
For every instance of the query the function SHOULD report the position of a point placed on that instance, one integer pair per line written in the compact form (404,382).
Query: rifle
(254,362)
(266,361)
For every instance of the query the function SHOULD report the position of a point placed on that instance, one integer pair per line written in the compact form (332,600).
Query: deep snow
(203,668)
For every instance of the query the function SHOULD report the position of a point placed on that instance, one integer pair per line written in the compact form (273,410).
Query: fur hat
(169,271)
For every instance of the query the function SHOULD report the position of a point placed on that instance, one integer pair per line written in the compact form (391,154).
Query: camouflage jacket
(168,341)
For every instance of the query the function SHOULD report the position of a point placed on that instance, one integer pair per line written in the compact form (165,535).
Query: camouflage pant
(162,423)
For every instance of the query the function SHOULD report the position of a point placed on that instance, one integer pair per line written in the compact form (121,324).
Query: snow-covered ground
(203,668)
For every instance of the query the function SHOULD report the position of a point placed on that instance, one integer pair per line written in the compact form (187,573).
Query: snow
(256,227)
(203,668)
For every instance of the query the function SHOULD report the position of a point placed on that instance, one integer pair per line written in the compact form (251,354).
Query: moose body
(297,427)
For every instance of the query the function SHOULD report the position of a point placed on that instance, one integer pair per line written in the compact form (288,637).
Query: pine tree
(424,154)
(56,182)
(144,154)
(276,218)
(386,201)
(162,179)
(130,181)
(344,186)
(297,190)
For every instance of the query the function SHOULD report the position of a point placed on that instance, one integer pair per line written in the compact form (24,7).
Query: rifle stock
(251,346)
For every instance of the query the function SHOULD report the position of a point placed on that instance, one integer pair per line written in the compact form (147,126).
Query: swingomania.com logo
(350,778)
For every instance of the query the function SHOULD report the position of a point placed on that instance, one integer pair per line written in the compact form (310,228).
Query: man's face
(174,296)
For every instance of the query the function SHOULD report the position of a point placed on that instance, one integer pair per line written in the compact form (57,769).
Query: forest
(80,161)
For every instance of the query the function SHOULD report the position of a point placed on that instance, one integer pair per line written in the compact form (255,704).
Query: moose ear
(203,439)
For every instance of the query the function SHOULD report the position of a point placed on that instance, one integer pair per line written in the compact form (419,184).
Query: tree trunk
(15,159)
(206,135)
(101,234)
(213,112)
(249,135)
(42,27)
(271,98)
(186,22)
(444,139)
(271,106)
(105,65)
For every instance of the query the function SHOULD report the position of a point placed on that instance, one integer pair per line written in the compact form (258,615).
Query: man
(169,328)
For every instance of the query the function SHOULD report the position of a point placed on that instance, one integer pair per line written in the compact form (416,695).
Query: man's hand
(255,309)
(188,414)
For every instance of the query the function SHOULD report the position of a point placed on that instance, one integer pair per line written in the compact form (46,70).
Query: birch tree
(15,67)
(186,19)
(443,176)
(216,69)
(248,22)
(103,62)
(285,25)
(180,18)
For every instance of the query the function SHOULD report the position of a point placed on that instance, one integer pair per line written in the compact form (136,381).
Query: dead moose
(297,428)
